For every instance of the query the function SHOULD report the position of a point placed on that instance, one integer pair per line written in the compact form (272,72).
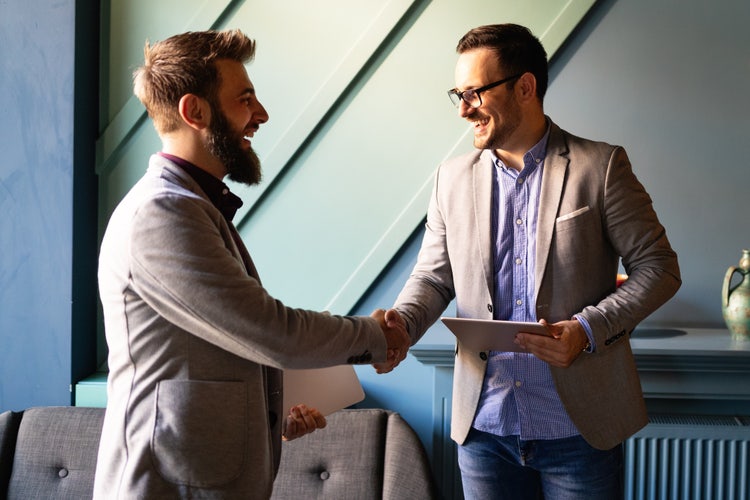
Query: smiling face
(497,121)
(234,120)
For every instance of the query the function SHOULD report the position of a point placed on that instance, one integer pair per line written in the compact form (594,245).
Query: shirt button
(518,261)
(519,221)
(520,181)
(519,302)
(518,383)
(224,191)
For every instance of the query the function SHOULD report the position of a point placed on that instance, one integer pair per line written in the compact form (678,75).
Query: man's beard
(242,165)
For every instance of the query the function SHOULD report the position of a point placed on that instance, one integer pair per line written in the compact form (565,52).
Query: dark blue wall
(43,344)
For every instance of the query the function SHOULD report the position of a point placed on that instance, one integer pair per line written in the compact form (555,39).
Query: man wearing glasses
(531,226)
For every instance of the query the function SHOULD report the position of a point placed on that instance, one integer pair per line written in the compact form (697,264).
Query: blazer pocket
(577,236)
(200,432)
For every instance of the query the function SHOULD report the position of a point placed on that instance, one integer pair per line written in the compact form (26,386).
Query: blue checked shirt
(518,395)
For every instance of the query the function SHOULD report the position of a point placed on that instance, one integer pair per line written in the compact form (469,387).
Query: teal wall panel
(359,120)
(130,23)
(357,185)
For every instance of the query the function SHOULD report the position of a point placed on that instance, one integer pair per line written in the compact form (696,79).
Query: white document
(490,335)
(326,389)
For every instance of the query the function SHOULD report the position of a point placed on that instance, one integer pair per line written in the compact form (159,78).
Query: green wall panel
(359,120)
(131,23)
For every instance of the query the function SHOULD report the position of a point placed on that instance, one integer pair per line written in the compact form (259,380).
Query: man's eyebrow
(246,91)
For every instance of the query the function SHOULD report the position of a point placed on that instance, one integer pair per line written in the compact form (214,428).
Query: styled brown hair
(185,64)
(517,50)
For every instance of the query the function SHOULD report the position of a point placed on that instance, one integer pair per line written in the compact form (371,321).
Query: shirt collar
(533,157)
(218,192)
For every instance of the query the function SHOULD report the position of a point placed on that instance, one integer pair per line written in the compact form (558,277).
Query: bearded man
(196,344)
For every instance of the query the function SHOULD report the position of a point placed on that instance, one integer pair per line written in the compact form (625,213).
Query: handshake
(396,337)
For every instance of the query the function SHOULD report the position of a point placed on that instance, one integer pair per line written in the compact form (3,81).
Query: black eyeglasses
(472,96)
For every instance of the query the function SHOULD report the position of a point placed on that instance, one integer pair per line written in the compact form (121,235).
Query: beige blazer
(592,211)
(195,347)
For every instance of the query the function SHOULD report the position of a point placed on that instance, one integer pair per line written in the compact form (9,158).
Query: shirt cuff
(589,334)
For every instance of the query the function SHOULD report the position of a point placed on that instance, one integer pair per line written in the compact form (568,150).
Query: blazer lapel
(182,178)
(482,172)
(553,180)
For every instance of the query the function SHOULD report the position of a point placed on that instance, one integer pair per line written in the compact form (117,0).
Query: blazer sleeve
(430,288)
(636,235)
(184,269)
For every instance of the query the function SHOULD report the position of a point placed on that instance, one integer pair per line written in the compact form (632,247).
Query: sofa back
(50,452)
(363,454)
(54,454)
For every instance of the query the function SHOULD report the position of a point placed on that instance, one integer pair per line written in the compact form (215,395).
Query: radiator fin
(689,458)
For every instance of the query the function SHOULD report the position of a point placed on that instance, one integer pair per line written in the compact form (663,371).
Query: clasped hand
(396,337)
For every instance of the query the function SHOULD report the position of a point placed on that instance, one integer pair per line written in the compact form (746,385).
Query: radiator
(689,457)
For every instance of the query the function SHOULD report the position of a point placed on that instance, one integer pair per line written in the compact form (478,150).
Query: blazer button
(483,356)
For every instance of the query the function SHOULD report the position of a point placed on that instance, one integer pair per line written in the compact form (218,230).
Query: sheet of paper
(327,389)
(490,335)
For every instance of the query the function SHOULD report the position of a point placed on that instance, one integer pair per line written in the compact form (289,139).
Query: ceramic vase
(735,298)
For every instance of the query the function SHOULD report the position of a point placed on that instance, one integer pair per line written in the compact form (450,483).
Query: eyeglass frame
(459,96)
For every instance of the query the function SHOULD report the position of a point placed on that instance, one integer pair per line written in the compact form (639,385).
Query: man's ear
(195,111)
(527,86)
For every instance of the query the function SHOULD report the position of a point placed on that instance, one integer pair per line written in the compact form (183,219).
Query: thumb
(393,318)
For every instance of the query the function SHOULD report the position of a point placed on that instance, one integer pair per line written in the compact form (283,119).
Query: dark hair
(185,64)
(517,50)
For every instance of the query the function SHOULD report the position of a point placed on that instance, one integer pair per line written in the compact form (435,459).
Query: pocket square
(572,214)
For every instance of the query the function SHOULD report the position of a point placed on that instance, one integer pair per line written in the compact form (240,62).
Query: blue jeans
(495,467)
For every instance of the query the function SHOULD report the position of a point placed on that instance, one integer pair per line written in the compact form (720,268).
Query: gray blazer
(195,347)
(592,211)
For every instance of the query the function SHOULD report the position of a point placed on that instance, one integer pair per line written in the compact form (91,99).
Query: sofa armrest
(9,423)
(407,472)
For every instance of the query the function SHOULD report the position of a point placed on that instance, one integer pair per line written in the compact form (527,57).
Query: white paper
(326,389)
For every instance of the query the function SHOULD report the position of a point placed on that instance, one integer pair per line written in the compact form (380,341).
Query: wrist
(588,342)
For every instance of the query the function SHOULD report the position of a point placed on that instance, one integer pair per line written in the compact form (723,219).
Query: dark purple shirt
(223,199)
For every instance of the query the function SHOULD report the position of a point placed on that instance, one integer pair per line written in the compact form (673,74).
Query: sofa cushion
(362,454)
(55,454)
(9,422)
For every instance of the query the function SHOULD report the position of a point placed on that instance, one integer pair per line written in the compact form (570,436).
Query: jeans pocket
(200,432)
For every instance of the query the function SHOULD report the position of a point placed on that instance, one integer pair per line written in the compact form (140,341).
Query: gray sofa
(50,452)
